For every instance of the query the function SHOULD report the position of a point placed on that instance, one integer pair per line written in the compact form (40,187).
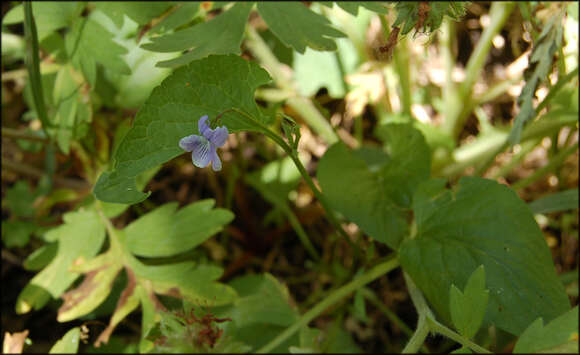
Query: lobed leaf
(165,232)
(221,35)
(141,13)
(482,223)
(468,307)
(298,27)
(558,336)
(205,87)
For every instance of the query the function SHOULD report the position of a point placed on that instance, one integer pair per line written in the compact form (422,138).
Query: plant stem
(526,147)
(302,105)
(295,223)
(336,296)
(418,338)
(33,64)
(554,163)
(18,134)
(456,117)
(443,330)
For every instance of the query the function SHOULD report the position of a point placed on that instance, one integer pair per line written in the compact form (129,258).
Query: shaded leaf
(468,307)
(204,87)
(39,258)
(383,183)
(298,27)
(17,233)
(49,16)
(141,13)
(221,35)
(558,336)
(560,201)
(482,222)
(165,231)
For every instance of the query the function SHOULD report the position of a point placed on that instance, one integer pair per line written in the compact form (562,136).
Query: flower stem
(336,296)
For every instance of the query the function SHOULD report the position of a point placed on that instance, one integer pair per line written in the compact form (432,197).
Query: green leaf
(260,312)
(80,236)
(68,102)
(558,336)
(383,183)
(537,72)
(299,27)
(141,13)
(195,283)
(165,232)
(41,257)
(88,43)
(468,307)
(352,6)
(560,201)
(462,350)
(483,223)
(19,199)
(68,344)
(205,87)
(221,35)
(182,14)
(48,15)
(17,233)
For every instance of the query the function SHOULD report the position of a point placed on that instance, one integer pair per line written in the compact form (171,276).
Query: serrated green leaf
(68,344)
(204,87)
(560,201)
(49,16)
(221,35)
(81,235)
(165,231)
(140,12)
(298,27)
(540,65)
(182,14)
(352,6)
(88,43)
(383,183)
(468,307)
(558,336)
(195,283)
(482,222)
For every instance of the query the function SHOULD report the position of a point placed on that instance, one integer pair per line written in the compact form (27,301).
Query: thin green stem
(443,330)
(418,338)
(18,134)
(336,296)
(295,223)
(526,147)
(33,64)
(554,163)
(293,155)
(559,85)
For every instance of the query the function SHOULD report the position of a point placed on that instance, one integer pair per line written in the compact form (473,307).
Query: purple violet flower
(203,147)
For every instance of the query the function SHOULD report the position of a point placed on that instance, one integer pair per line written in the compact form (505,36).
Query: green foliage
(383,182)
(165,232)
(482,223)
(352,6)
(141,13)
(409,14)
(558,336)
(221,35)
(549,41)
(49,15)
(298,27)
(81,235)
(560,201)
(204,87)
(68,344)
(468,307)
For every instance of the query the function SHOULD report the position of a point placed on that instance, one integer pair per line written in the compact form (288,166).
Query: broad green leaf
(81,235)
(468,307)
(205,87)
(482,223)
(195,283)
(352,6)
(540,65)
(68,344)
(299,27)
(182,14)
(19,199)
(560,201)
(260,312)
(558,336)
(221,35)
(48,15)
(88,43)
(383,183)
(165,231)
(140,12)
